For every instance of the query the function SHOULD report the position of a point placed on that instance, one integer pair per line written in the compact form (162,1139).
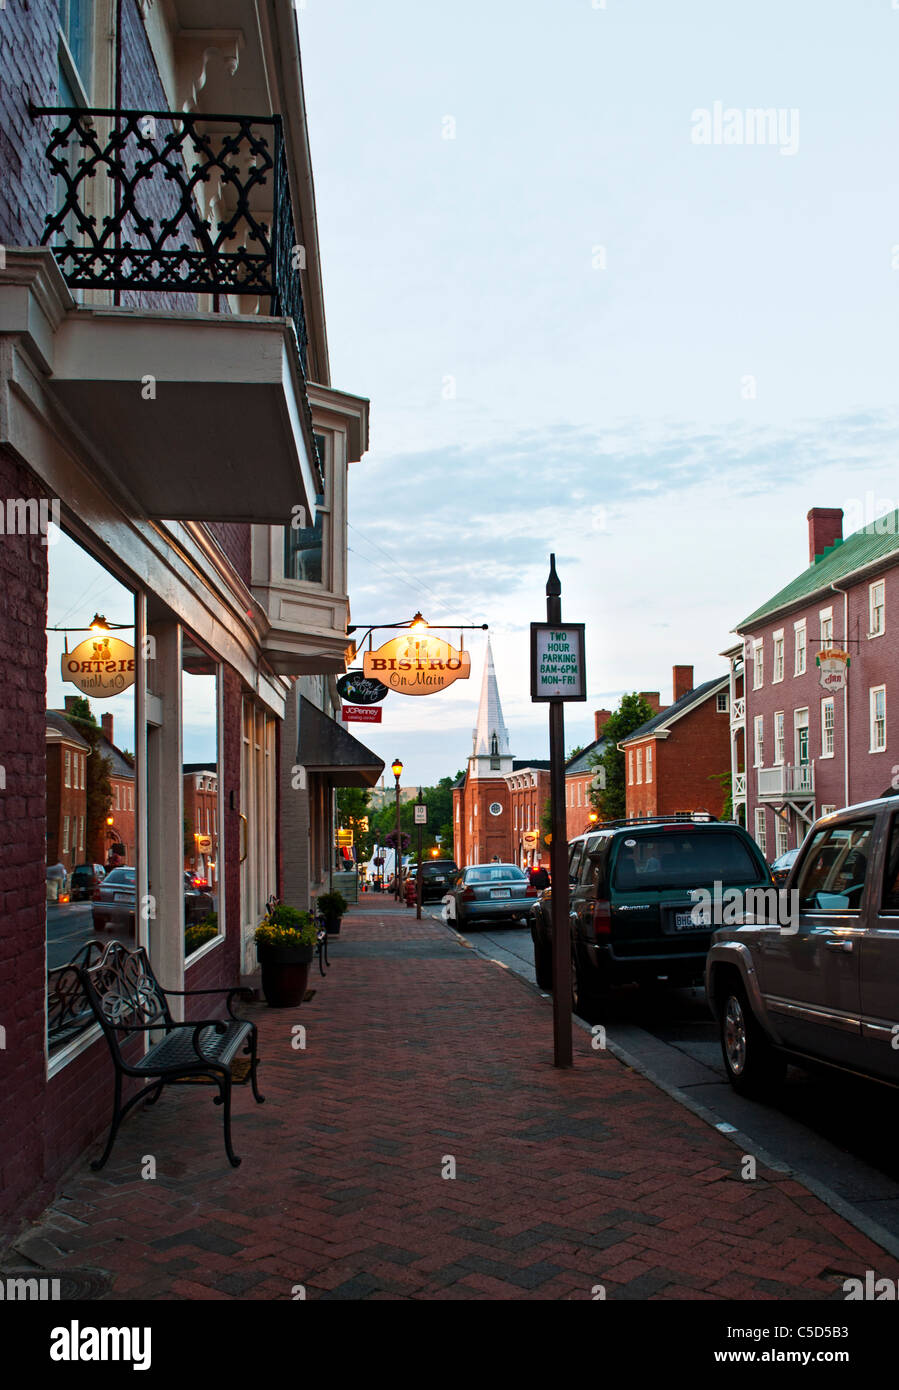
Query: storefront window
(203,901)
(90,740)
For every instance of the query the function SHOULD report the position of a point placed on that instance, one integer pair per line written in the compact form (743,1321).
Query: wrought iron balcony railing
(166,202)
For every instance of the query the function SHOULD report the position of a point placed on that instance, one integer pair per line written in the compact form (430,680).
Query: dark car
(437,877)
(113,904)
(85,878)
(633,916)
(489,893)
(781,867)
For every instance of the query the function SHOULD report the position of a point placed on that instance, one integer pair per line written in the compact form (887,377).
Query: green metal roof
(864,547)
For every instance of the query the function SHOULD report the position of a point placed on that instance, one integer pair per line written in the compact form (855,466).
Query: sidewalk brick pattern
(418,1051)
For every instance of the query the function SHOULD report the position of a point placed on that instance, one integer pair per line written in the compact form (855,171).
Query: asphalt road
(69,925)
(837,1130)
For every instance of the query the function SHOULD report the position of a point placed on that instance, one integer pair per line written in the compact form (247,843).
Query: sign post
(558,673)
(421,819)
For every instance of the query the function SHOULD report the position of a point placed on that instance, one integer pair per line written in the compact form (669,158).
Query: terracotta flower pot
(285,973)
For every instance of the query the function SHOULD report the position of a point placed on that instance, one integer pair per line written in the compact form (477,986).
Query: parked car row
(113,904)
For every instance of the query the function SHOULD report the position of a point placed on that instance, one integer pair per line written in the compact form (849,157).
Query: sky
(585,331)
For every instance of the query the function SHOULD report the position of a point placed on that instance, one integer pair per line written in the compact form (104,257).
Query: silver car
(821,984)
(489,893)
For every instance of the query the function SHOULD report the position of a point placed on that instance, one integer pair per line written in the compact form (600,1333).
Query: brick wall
(684,764)
(234,540)
(28,30)
(23,659)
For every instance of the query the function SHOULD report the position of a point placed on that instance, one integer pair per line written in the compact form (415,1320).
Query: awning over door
(325,747)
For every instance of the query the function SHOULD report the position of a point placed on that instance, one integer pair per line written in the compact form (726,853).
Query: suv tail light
(468,895)
(530,891)
(602,917)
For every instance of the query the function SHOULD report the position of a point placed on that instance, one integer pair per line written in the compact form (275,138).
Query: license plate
(500,892)
(121,897)
(685,921)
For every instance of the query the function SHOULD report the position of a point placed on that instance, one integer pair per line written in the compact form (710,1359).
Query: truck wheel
(753,1066)
(543,964)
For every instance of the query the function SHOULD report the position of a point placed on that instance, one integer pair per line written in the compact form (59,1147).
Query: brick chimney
(825,525)
(106,725)
(70,702)
(681,681)
(652,699)
(601,718)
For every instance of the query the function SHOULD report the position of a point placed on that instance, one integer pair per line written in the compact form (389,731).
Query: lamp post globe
(397,769)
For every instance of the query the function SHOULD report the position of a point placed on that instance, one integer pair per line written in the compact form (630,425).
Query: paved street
(422,1146)
(829,1127)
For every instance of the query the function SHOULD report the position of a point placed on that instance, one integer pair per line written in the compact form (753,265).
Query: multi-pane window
(759,730)
(777,673)
(826,616)
(639,764)
(799,648)
(630,768)
(827,727)
(781,836)
(65,834)
(800,735)
(828,810)
(81,832)
(68,772)
(649,762)
(779,736)
(878,698)
(721,702)
(876,608)
(760,828)
(76,24)
(758,665)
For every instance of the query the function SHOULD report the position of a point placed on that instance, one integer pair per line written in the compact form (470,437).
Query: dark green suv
(633,912)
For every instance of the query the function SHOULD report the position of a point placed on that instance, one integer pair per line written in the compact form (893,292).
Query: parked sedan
(781,867)
(489,893)
(113,904)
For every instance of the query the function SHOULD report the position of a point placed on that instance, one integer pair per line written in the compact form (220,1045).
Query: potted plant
(285,946)
(332,906)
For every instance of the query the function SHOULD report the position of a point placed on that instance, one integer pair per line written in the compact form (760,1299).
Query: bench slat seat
(177,1049)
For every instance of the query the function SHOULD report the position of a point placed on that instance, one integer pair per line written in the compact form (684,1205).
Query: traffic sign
(421,814)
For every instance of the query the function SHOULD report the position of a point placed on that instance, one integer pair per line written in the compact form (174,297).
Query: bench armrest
(245,994)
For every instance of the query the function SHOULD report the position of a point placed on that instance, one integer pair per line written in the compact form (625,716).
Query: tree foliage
(98,786)
(611,801)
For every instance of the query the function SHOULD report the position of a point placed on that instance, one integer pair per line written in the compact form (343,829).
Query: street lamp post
(397,770)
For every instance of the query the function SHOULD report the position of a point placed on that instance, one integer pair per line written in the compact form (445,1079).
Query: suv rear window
(683,859)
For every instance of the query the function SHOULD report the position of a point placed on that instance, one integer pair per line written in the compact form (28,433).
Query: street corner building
(813,719)
(173,508)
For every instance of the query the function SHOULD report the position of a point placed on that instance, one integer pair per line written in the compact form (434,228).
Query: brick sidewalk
(417,1049)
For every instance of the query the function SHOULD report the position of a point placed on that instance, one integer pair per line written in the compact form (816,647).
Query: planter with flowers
(332,906)
(285,946)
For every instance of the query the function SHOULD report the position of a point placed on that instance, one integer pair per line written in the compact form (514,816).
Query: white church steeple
(490,754)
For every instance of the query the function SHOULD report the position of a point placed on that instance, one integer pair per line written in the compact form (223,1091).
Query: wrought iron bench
(68,1012)
(127,999)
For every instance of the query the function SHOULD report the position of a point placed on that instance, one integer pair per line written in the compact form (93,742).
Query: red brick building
(528,784)
(807,741)
(67,754)
(122,829)
(672,761)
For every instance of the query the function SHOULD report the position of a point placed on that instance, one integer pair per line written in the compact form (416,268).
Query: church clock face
(495,808)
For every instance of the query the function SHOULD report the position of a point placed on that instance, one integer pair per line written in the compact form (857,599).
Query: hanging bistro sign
(414,665)
(833,664)
(100,667)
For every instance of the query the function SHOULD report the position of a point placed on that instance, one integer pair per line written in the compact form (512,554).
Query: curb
(863,1223)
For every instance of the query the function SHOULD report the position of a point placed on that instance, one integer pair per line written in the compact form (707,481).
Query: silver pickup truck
(821,984)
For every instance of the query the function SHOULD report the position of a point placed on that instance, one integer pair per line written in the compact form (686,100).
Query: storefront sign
(414,665)
(529,839)
(362,714)
(558,668)
(100,667)
(344,838)
(359,691)
(833,668)
(204,843)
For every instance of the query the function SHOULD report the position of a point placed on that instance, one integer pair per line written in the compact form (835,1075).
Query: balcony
(739,791)
(184,358)
(786,782)
(738,711)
